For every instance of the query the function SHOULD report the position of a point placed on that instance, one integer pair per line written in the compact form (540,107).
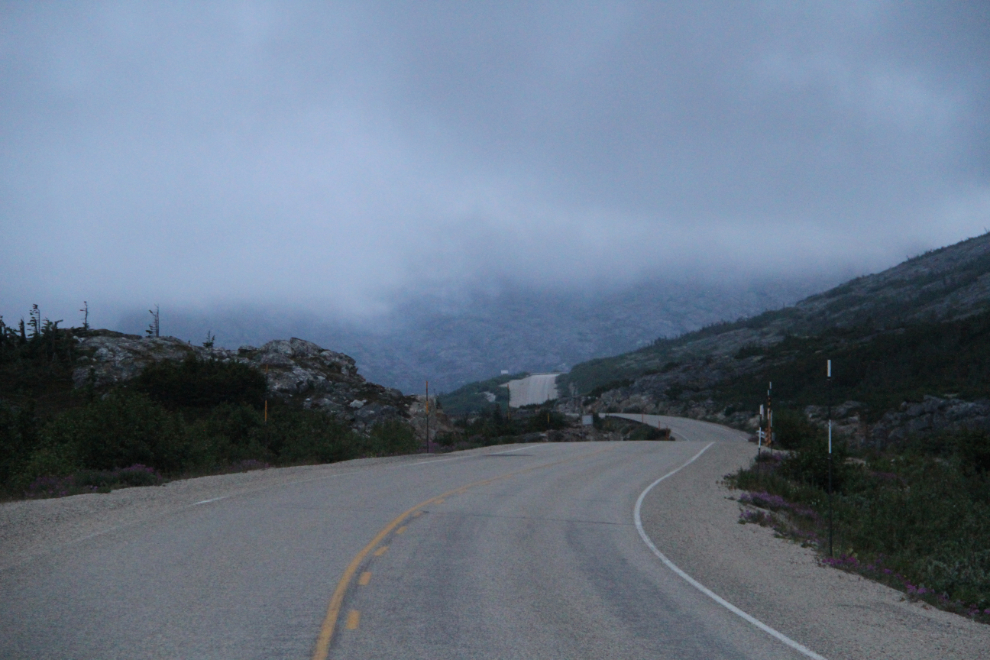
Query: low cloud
(338,158)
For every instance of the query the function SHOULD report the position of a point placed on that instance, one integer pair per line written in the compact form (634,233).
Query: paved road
(524,552)
(532,389)
(686,429)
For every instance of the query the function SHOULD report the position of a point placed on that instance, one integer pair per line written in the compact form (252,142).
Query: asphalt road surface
(522,552)
(532,389)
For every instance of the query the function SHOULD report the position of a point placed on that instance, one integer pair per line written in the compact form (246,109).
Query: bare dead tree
(154,328)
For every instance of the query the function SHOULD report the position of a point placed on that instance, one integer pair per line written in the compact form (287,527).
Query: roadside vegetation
(878,368)
(914,516)
(536,423)
(175,419)
(497,426)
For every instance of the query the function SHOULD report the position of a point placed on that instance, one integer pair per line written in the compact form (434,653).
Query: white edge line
(455,458)
(697,585)
(496,453)
(426,462)
(212,499)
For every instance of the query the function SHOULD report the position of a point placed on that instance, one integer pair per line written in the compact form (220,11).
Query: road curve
(520,552)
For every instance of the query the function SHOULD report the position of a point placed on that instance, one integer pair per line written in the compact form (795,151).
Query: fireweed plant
(914,516)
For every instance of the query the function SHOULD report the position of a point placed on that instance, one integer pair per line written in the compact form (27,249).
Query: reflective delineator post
(770,418)
(828,386)
(759,444)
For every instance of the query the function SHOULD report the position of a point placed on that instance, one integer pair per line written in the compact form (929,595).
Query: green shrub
(202,383)
(230,433)
(18,438)
(47,460)
(118,430)
(646,432)
(808,464)
(546,420)
(792,428)
(973,449)
(308,436)
(448,440)
(390,438)
(916,521)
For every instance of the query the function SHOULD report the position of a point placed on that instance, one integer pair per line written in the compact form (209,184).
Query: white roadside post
(759,444)
(828,387)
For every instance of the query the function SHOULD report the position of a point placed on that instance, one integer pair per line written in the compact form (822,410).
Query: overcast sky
(330,156)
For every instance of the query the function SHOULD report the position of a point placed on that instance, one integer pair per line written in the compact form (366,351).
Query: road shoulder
(692,520)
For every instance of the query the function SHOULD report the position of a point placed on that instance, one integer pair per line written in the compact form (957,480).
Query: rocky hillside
(921,329)
(942,285)
(295,369)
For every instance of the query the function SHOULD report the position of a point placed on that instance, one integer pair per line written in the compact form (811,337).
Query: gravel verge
(693,519)
(34,527)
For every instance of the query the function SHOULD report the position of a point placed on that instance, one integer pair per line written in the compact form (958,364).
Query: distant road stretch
(532,389)
(523,552)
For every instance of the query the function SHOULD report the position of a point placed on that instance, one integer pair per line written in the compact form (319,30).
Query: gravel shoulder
(29,528)
(692,519)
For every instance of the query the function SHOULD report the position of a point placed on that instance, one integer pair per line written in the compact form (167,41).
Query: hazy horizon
(339,161)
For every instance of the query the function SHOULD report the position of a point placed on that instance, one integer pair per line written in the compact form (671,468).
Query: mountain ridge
(909,346)
(945,284)
(451,342)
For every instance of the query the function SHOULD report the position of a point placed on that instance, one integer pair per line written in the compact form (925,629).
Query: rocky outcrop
(931,415)
(437,421)
(295,369)
(111,358)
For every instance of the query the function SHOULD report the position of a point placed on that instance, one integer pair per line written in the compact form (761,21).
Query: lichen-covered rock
(110,358)
(296,370)
(931,415)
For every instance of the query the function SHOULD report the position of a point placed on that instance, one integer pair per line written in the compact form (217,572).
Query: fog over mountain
(410,167)
(452,342)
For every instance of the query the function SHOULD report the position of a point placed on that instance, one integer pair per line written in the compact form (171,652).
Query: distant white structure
(505,372)
(536,388)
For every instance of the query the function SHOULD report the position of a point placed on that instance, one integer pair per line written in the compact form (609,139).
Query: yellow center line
(353,618)
(337,600)
(365,578)
(401,529)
